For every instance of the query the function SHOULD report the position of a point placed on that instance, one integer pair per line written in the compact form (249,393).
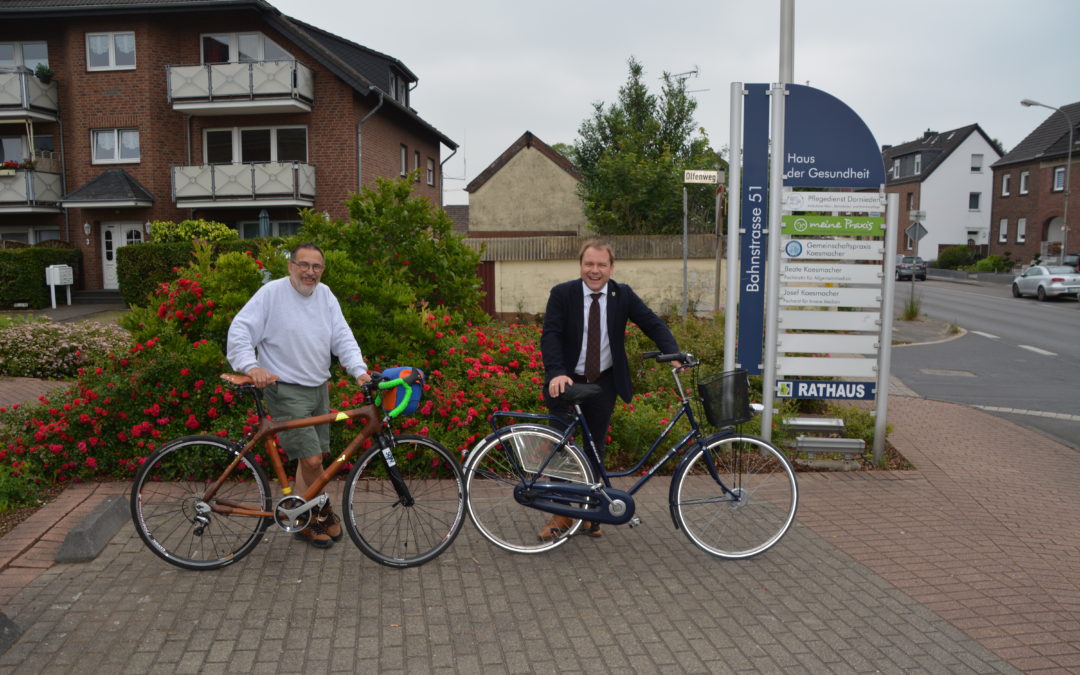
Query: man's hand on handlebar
(261,377)
(363,379)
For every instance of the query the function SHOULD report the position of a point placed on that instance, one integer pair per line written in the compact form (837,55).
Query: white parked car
(1047,281)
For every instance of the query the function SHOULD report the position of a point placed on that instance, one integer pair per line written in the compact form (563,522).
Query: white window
(404,160)
(1024,180)
(247,145)
(110,51)
(430,171)
(399,88)
(973,201)
(1005,179)
(1003,231)
(918,164)
(114,146)
(416,164)
(27,54)
(976,163)
(241,48)
(1021,230)
(1059,179)
(896,168)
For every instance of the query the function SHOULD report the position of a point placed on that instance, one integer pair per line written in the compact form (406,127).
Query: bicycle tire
(395,534)
(491,476)
(749,523)
(170,484)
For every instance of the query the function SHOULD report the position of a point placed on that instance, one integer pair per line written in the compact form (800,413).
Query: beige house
(528,223)
(530,190)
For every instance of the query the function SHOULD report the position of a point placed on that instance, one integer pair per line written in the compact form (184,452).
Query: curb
(88,538)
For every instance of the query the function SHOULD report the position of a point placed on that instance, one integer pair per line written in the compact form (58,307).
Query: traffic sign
(915,231)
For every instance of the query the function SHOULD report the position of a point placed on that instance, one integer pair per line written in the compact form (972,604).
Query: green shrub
(16,490)
(22,274)
(51,350)
(956,257)
(993,263)
(165,231)
(140,268)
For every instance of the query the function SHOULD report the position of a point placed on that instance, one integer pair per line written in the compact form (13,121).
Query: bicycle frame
(265,434)
(690,440)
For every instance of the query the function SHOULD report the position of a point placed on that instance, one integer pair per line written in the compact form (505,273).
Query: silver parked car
(1047,281)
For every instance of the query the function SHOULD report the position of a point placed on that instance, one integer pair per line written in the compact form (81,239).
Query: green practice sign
(850,226)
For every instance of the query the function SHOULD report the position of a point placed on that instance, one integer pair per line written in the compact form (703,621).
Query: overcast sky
(491,69)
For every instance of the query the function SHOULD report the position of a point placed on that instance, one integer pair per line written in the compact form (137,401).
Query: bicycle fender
(502,431)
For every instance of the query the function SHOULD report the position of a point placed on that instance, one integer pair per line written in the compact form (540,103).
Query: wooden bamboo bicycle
(203,502)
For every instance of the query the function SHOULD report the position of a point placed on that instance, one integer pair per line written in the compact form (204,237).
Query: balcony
(23,96)
(258,184)
(30,191)
(261,87)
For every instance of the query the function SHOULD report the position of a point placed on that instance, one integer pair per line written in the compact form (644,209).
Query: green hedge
(22,274)
(141,267)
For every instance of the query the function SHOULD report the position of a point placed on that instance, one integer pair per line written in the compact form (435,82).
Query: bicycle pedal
(635,521)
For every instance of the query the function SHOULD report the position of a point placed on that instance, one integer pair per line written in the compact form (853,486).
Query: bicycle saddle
(579,392)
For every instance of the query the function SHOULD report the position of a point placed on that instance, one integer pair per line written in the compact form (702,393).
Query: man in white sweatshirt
(289,329)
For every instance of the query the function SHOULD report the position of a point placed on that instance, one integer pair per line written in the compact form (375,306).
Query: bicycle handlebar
(685,358)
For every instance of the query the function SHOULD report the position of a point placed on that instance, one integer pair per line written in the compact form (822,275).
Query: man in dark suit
(568,359)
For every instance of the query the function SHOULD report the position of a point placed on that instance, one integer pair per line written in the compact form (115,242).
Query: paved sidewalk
(967,564)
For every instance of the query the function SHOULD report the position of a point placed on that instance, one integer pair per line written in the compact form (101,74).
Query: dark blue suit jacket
(564,326)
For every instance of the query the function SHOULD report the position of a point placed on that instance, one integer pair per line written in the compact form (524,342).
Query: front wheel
(507,459)
(751,507)
(1016,291)
(177,524)
(405,509)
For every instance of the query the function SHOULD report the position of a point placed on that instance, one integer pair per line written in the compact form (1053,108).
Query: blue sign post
(753,241)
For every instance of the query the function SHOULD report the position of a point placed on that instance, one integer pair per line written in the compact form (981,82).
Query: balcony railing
(28,190)
(269,183)
(227,88)
(23,95)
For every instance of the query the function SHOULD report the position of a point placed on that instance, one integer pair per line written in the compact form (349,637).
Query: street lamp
(1027,103)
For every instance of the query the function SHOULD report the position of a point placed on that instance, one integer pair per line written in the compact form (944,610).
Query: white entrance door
(113,236)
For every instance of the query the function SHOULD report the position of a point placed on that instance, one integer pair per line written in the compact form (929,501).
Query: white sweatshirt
(294,335)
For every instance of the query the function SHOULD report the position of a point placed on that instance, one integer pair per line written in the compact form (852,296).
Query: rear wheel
(406,514)
(171,517)
(1041,294)
(752,513)
(506,460)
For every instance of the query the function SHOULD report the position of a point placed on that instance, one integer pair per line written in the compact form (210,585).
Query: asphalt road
(1020,358)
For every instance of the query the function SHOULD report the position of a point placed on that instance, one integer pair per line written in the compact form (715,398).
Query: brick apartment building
(1029,192)
(226,110)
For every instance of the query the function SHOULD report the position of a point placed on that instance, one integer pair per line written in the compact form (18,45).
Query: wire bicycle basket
(725,398)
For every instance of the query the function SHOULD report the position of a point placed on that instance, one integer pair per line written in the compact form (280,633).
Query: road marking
(1033,413)
(946,373)
(1037,350)
(986,335)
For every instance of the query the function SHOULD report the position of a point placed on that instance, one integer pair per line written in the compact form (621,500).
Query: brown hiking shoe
(330,522)
(556,527)
(315,534)
(591,529)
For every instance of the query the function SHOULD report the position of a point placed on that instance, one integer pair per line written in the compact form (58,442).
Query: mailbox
(59,275)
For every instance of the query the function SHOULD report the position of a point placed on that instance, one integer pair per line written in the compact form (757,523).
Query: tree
(632,155)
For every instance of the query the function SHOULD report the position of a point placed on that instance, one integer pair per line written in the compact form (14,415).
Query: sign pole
(685,256)
(776,201)
(734,217)
(881,404)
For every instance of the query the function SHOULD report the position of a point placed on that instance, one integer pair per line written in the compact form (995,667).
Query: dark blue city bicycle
(733,494)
